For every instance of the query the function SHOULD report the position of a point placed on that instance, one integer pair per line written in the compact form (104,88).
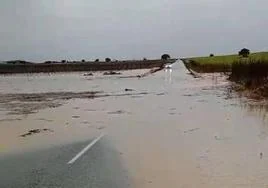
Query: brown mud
(29,103)
(152,71)
(35,131)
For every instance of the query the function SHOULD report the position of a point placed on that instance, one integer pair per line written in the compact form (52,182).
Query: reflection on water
(260,109)
(168,75)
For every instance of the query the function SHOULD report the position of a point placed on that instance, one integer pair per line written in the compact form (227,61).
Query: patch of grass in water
(251,76)
(253,72)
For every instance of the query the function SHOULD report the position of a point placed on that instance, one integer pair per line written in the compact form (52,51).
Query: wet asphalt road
(99,167)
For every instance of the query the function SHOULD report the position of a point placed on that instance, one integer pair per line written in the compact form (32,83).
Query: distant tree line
(107,60)
(243,53)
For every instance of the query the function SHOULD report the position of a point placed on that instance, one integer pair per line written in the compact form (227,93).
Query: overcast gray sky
(40,30)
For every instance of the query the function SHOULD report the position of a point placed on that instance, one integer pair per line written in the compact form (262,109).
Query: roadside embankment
(248,74)
(221,63)
(251,78)
(82,66)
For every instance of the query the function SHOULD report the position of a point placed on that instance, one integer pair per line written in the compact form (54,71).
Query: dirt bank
(79,66)
(197,67)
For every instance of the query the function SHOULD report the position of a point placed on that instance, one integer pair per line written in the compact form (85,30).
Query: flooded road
(167,129)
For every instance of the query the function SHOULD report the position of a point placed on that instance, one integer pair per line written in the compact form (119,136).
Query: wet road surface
(99,167)
(167,129)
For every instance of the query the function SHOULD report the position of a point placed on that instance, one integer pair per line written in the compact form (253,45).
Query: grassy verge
(249,74)
(251,77)
(220,63)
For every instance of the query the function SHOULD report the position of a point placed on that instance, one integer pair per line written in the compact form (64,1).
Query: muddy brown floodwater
(172,130)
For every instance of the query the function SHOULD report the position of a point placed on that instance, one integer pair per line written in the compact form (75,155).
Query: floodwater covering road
(164,130)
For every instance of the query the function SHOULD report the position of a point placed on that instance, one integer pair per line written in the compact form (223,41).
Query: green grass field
(250,73)
(221,63)
(228,59)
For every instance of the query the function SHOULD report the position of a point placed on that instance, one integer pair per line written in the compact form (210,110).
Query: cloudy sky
(39,30)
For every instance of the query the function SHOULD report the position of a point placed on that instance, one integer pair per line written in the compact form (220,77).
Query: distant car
(168,66)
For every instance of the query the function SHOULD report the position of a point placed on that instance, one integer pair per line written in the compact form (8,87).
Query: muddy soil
(28,103)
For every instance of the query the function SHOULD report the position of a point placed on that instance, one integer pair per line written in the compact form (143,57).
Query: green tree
(107,60)
(244,52)
(165,57)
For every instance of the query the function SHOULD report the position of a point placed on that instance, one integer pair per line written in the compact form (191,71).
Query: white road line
(90,145)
